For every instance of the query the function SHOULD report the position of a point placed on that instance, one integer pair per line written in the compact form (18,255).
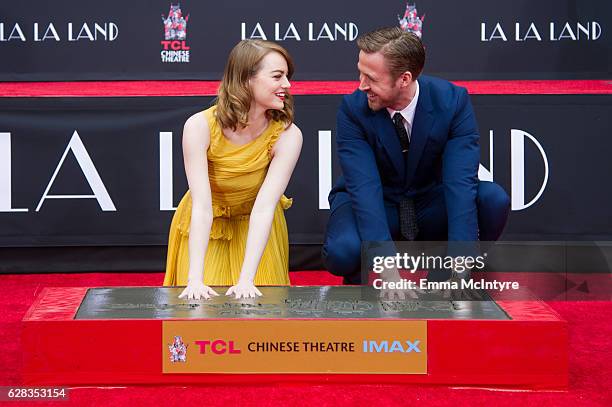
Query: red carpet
(590,334)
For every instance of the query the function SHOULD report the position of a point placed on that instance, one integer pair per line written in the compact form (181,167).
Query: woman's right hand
(196,290)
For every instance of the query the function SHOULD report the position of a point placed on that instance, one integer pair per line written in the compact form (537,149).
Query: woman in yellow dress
(229,228)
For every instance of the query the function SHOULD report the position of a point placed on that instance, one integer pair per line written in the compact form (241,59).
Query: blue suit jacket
(444,148)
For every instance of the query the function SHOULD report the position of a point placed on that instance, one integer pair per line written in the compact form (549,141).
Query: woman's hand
(244,290)
(197,289)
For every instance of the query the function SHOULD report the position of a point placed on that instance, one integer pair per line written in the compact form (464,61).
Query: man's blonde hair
(403,51)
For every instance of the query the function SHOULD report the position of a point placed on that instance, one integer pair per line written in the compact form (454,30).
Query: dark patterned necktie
(400,129)
(408,222)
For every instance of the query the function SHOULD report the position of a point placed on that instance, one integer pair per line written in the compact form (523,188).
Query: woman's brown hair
(234,96)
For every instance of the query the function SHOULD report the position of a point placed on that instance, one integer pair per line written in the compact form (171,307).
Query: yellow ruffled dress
(236,174)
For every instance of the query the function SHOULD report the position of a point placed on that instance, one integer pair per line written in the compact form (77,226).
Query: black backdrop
(471,39)
(566,137)
(121,137)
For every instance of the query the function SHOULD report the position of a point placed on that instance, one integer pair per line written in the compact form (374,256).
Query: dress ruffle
(222,216)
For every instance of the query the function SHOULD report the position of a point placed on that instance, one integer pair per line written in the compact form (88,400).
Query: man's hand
(391,294)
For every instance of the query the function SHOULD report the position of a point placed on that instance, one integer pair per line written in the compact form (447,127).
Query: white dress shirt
(408,112)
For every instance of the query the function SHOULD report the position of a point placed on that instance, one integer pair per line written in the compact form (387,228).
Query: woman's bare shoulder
(197,121)
(196,130)
(292,132)
(289,141)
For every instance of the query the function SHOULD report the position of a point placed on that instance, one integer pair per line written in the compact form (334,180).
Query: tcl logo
(217,347)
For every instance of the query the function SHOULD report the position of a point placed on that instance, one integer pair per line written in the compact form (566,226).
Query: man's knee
(342,256)
(493,198)
(493,210)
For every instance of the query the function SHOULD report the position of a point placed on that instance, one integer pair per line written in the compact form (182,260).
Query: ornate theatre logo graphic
(411,22)
(178,350)
(174,45)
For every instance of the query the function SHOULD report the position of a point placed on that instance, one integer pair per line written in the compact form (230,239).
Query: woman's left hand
(244,290)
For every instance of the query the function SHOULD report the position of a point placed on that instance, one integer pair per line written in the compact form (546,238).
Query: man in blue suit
(408,146)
